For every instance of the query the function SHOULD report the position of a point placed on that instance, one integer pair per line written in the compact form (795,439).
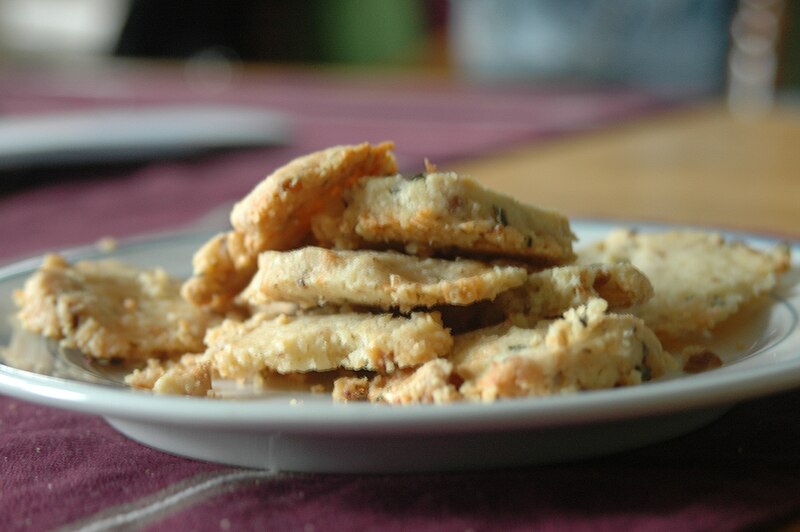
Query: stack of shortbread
(406,289)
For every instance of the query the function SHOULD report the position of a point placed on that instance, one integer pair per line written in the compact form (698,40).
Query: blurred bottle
(753,60)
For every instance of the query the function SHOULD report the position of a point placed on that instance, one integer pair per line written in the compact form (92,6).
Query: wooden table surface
(697,166)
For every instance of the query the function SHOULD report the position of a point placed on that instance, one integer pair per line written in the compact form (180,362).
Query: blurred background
(747,48)
(128,116)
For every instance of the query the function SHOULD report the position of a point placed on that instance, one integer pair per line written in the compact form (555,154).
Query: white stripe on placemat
(187,492)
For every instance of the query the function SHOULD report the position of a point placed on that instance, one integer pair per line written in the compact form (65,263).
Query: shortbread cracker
(188,376)
(382,342)
(549,293)
(222,267)
(430,383)
(699,279)
(276,215)
(443,213)
(586,349)
(433,382)
(346,389)
(111,310)
(313,276)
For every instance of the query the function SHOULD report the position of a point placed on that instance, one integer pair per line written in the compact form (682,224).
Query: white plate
(307,432)
(140,133)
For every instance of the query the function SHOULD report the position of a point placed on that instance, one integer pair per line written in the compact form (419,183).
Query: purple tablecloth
(59,468)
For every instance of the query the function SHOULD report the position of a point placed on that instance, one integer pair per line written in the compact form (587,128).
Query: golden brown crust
(276,215)
(443,213)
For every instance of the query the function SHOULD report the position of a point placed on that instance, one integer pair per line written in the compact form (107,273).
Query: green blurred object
(314,31)
(369,31)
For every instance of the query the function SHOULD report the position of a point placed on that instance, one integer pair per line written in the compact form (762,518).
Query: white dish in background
(308,432)
(134,134)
